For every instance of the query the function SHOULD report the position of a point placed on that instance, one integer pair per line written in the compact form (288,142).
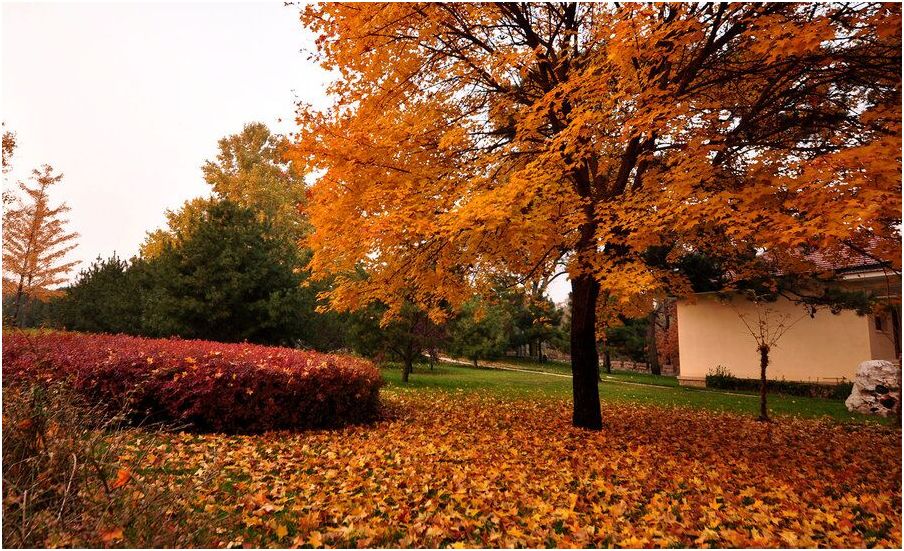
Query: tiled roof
(840,259)
(844,260)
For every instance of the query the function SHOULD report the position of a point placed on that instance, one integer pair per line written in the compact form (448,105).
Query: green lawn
(618,387)
(551,366)
(642,378)
(564,368)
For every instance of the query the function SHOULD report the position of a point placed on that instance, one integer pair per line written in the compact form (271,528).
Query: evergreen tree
(228,279)
(105,298)
(480,330)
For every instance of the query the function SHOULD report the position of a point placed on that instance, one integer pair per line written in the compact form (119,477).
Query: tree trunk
(18,304)
(764,363)
(895,328)
(652,350)
(607,358)
(584,356)
(20,289)
(23,315)
(406,369)
(896,338)
(16,308)
(540,357)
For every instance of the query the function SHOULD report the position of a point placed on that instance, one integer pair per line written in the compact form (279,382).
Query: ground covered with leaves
(469,469)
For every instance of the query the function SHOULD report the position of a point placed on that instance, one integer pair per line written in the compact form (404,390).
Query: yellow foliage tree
(469,140)
(251,170)
(179,224)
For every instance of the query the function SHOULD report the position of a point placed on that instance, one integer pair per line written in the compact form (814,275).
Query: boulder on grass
(876,389)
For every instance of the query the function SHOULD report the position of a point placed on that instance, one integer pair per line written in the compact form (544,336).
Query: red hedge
(207,385)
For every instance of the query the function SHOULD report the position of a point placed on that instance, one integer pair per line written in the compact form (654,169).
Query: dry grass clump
(73,478)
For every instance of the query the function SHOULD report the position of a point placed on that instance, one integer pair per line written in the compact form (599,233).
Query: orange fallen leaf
(122,478)
(109,536)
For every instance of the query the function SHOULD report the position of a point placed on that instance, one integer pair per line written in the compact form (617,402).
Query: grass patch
(564,368)
(646,390)
(455,378)
(641,378)
(550,366)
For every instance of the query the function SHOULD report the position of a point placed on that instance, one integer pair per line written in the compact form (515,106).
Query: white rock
(876,389)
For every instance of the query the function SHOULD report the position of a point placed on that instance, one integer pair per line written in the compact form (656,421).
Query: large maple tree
(469,140)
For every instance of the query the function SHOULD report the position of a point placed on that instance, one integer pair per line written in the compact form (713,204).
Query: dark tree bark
(895,328)
(895,312)
(20,296)
(652,351)
(584,356)
(607,358)
(406,369)
(764,363)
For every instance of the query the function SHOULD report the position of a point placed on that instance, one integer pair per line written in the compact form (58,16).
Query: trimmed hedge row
(208,386)
(724,380)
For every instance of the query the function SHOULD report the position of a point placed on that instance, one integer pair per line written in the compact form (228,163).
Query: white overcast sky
(128,100)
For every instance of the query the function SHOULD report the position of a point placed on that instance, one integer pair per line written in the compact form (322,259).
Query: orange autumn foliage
(35,242)
(455,148)
(472,139)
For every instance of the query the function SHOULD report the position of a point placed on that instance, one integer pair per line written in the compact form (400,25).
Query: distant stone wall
(549,353)
(670,369)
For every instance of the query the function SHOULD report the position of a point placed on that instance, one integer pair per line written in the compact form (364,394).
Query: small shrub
(72,479)
(721,378)
(205,385)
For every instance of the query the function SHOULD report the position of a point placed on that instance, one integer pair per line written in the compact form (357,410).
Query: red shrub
(207,385)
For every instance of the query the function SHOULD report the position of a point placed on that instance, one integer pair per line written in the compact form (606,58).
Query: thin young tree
(767,329)
(35,243)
